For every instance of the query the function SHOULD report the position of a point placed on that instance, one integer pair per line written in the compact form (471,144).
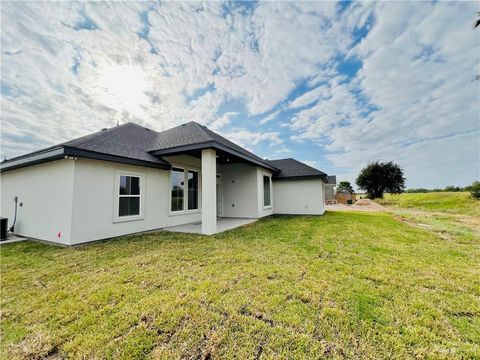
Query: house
(129,179)
(329,189)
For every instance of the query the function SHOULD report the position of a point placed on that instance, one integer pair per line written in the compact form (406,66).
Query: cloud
(346,82)
(414,86)
(248,138)
(222,121)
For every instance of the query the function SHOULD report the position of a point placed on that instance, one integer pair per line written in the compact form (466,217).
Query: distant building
(329,189)
(344,196)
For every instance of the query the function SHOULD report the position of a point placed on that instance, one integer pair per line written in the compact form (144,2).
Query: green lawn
(448,202)
(343,285)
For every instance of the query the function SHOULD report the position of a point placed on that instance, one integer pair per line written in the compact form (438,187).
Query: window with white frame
(129,195)
(267,201)
(178,189)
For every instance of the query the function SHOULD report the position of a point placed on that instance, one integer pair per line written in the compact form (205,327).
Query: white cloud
(248,138)
(197,59)
(418,78)
(310,97)
(223,120)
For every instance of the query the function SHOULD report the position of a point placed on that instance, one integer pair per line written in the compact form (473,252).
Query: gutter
(302,177)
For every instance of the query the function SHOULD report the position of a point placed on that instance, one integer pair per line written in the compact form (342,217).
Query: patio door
(219,195)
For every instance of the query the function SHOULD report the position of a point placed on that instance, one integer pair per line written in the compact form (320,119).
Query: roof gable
(193,135)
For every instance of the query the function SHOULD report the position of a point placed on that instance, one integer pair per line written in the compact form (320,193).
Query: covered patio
(223,224)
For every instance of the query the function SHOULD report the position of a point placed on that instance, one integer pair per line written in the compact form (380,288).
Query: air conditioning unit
(3,228)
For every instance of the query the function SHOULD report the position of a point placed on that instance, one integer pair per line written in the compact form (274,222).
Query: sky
(334,84)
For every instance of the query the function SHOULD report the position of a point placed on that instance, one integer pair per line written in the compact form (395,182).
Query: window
(184,190)
(192,190)
(129,196)
(267,201)
(178,186)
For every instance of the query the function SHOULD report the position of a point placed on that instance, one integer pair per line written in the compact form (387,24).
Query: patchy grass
(446,202)
(343,285)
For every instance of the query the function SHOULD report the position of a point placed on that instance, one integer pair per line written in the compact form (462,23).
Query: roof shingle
(291,168)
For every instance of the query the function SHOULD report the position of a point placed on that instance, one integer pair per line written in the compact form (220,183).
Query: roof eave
(88,154)
(63,151)
(38,158)
(211,145)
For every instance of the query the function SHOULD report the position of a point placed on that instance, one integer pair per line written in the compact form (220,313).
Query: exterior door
(219,196)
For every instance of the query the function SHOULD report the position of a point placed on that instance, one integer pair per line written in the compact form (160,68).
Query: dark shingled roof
(128,140)
(191,134)
(140,145)
(134,144)
(332,179)
(125,143)
(291,168)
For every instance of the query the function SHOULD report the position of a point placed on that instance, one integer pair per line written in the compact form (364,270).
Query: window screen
(266,191)
(178,185)
(192,190)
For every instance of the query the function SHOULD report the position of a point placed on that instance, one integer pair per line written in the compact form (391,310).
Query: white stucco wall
(240,191)
(76,198)
(298,197)
(95,191)
(46,191)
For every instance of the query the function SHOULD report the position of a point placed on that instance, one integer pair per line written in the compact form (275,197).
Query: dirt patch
(360,205)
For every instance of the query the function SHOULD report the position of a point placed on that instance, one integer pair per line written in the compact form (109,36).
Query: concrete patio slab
(223,224)
(11,238)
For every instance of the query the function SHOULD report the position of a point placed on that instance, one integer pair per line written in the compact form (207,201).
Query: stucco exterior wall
(94,196)
(46,191)
(298,197)
(240,191)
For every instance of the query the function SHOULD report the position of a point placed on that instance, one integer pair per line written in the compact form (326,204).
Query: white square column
(209,191)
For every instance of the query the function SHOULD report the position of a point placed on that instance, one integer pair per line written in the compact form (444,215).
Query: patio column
(209,191)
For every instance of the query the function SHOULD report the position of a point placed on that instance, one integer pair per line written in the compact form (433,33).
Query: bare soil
(360,205)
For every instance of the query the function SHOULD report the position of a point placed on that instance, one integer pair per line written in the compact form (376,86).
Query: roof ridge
(205,130)
(290,158)
(82,139)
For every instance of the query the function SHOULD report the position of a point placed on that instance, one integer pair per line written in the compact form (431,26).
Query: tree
(452,188)
(475,190)
(377,178)
(345,185)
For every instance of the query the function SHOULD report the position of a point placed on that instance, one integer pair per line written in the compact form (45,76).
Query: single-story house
(129,179)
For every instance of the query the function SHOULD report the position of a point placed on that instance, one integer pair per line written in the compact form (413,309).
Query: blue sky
(334,84)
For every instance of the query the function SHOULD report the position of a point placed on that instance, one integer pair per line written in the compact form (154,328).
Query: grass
(447,202)
(343,285)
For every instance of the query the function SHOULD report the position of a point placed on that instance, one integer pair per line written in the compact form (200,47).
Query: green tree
(378,177)
(475,190)
(345,185)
